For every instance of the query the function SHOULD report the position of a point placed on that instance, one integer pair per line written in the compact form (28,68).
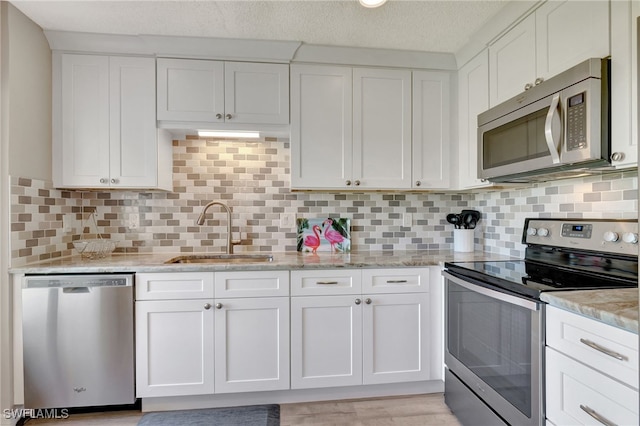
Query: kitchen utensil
(454,219)
(470,218)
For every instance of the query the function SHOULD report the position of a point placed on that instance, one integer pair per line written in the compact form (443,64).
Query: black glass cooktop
(567,272)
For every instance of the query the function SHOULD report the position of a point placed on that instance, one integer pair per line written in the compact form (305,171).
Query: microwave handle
(553,143)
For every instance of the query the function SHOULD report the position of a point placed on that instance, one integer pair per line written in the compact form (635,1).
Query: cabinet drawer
(594,343)
(574,389)
(252,284)
(401,280)
(183,285)
(325,282)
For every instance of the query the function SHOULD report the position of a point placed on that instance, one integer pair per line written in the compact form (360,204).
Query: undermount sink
(222,258)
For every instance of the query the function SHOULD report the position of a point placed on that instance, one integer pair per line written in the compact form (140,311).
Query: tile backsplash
(253,179)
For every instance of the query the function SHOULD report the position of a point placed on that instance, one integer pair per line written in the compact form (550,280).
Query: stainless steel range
(494,344)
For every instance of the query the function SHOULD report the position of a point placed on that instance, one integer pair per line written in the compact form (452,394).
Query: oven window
(492,338)
(516,141)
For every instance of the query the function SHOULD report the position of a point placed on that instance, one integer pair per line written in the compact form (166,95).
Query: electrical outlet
(287,220)
(407,220)
(134,221)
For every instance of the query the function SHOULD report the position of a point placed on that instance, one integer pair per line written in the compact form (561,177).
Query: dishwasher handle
(75,281)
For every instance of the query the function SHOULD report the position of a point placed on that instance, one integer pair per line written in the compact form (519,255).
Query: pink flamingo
(331,235)
(313,241)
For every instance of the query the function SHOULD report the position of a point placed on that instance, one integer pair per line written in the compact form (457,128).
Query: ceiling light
(228,134)
(372,3)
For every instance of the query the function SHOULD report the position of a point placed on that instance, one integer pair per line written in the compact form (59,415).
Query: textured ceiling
(427,25)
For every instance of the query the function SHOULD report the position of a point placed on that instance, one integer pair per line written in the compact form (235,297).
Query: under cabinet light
(372,3)
(228,134)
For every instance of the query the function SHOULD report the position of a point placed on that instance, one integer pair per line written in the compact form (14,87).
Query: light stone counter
(617,307)
(288,260)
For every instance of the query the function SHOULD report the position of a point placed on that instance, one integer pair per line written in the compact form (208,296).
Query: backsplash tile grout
(253,178)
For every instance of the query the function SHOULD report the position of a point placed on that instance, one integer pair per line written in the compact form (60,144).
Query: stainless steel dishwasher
(78,340)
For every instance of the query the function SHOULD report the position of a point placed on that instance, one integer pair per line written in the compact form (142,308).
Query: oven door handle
(513,300)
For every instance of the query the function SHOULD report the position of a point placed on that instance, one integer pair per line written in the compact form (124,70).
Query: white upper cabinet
(431,121)
(321,126)
(555,37)
(381,128)
(473,99)
(351,128)
(204,91)
(104,124)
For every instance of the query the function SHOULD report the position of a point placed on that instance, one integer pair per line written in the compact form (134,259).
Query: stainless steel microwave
(559,128)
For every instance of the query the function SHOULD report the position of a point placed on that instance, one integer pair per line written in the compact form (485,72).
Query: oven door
(494,344)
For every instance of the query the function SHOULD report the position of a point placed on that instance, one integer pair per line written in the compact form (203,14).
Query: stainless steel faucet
(230,241)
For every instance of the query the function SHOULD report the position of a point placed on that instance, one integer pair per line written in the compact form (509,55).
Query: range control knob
(630,237)
(532,231)
(543,232)
(610,237)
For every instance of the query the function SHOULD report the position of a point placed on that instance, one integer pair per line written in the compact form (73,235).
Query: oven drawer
(575,390)
(608,349)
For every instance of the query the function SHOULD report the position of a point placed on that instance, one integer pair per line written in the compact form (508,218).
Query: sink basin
(222,258)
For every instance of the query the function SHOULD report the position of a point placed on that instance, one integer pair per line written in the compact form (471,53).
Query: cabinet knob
(228,116)
(528,86)
(617,156)
(104,180)
(114,180)
(348,183)
(357,183)
(538,81)
(219,116)
(218,305)
(418,183)
(207,306)
(367,301)
(358,301)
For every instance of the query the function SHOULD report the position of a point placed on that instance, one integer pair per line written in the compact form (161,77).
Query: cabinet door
(85,121)
(512,61)
(395,338)
(381,128)
(174,348)
(431,130)
(190,90)
(252,344)
(256,93)
(473,99)
(326,341)
(133,140)
(321,126)
(569,32)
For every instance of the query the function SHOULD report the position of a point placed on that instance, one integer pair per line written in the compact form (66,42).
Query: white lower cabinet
(251,344)
(174,347)
(591,371)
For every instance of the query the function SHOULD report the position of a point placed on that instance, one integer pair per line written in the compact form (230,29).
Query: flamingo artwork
(330,234)
(313,241)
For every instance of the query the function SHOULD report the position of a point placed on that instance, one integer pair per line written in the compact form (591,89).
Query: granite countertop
(617,307)
(286,260)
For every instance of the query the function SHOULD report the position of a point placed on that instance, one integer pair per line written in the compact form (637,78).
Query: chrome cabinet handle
(326,282)
(207,306)
(228,116)
(528,86)
(538,81)
(357,183)
(218,305)
(396,281)
(604,350)
(104,180)
(597,416)
(114,180)
(358,301)
(348,183)
(418,183)
(367,301)
(218,116)
(617,156)
(550,138)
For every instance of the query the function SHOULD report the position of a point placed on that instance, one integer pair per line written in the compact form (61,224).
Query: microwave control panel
(577,122)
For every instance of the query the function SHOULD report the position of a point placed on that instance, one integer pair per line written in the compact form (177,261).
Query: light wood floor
(423,410)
